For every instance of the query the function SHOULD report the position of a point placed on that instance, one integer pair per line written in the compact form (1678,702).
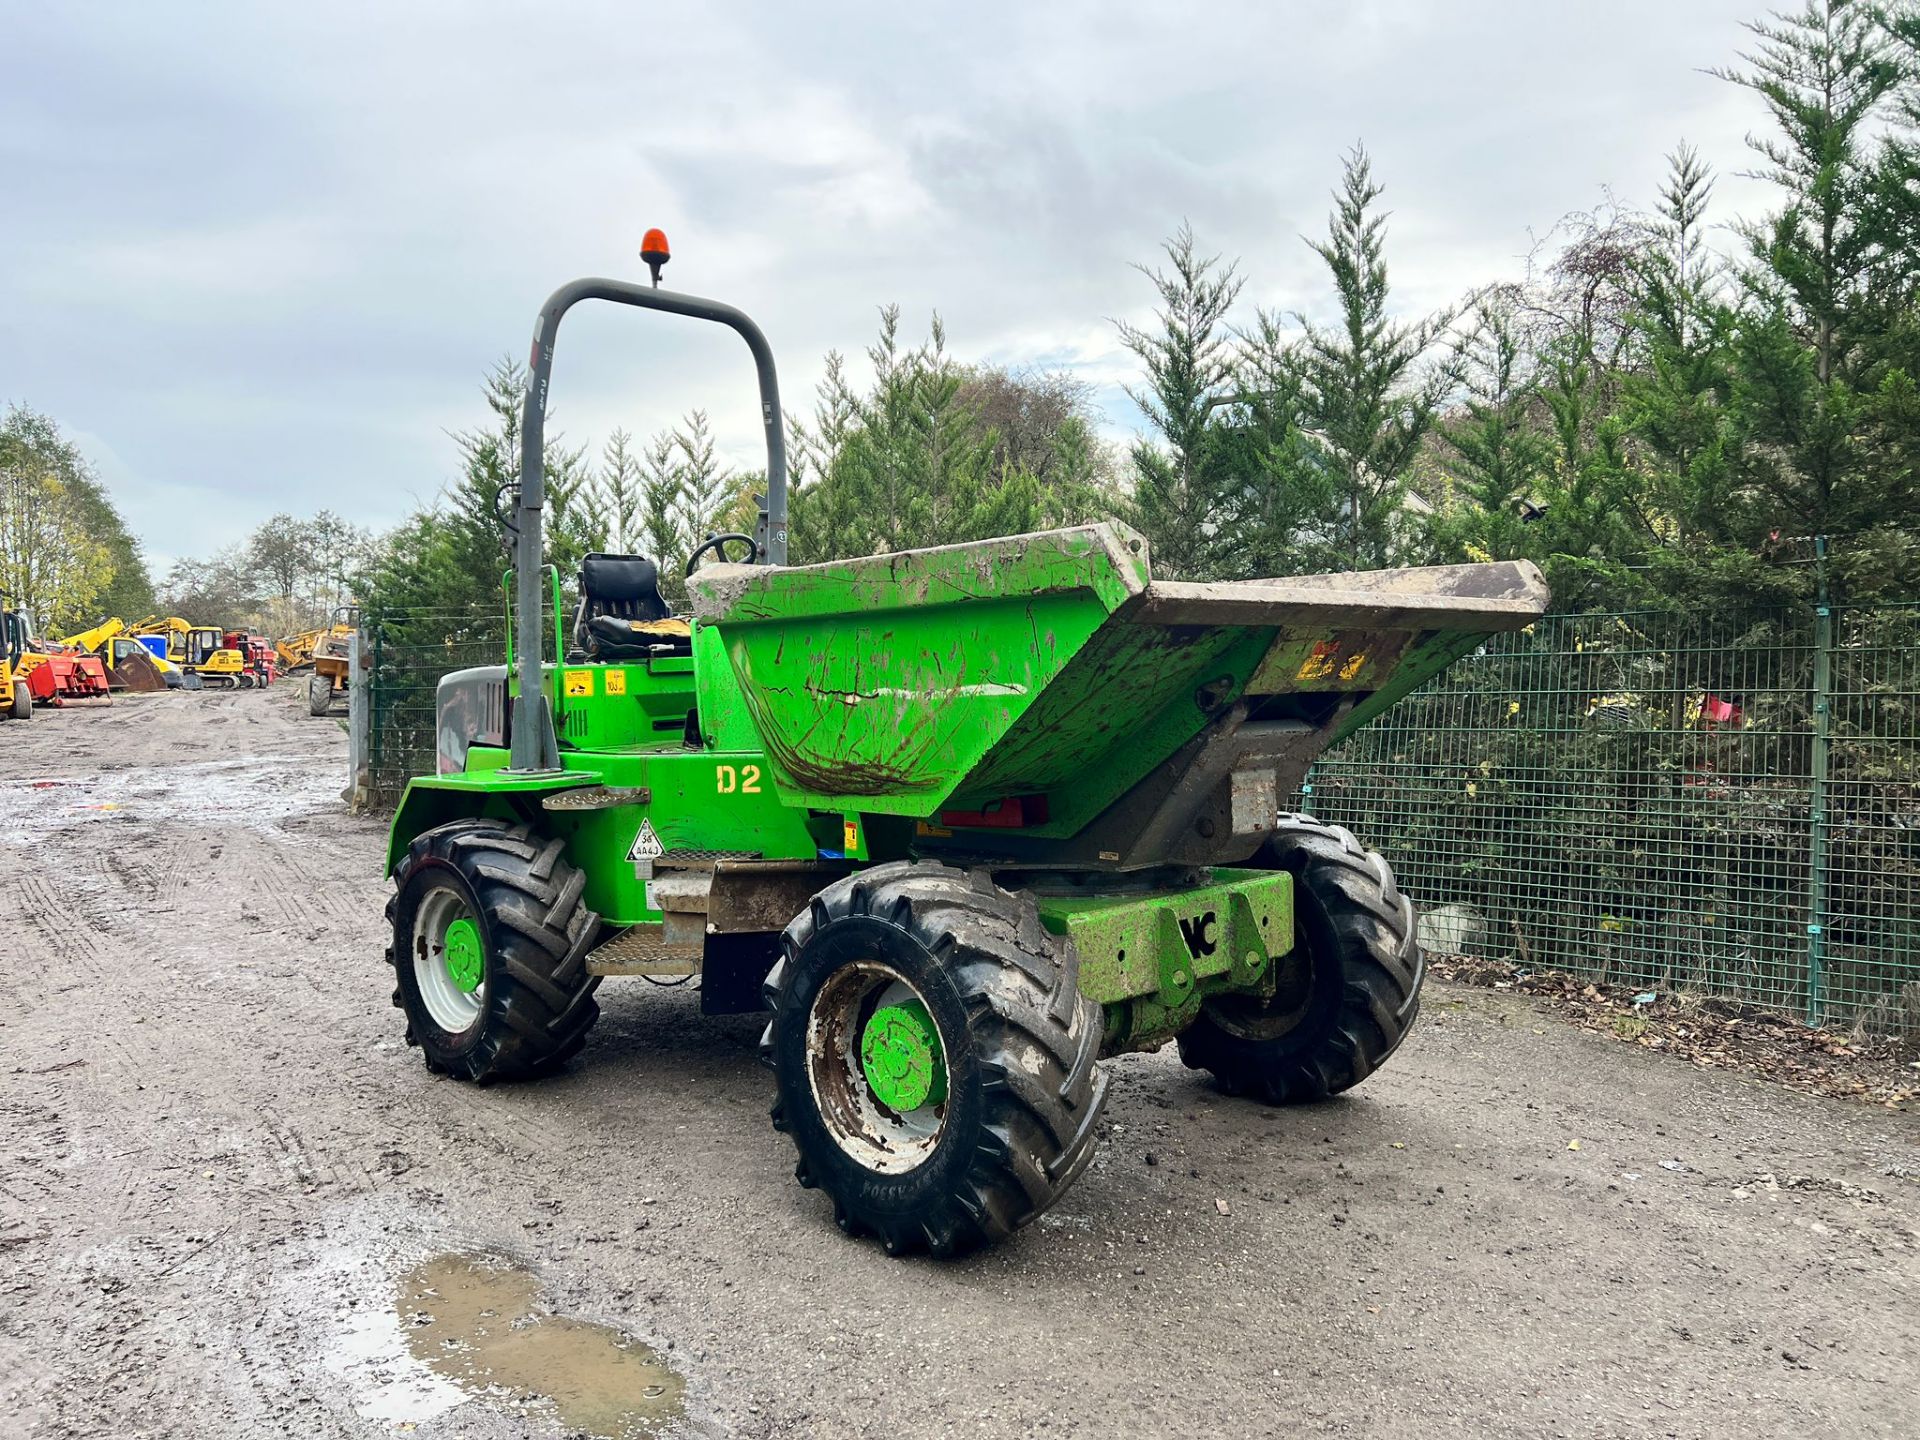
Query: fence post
(1817,790)
(374,758)
(358,731)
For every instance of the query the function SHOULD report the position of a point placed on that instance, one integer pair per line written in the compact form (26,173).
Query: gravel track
(216,1155)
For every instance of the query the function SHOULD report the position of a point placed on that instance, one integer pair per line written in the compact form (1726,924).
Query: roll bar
(534,747)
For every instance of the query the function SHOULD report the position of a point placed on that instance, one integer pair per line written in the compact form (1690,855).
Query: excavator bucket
(1047,679)
(135,672)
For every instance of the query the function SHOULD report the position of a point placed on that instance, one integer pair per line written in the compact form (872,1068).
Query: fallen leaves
(1709,1033)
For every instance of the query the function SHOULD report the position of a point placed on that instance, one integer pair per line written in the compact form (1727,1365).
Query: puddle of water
(254,792)
(388,1384)
(477,1324)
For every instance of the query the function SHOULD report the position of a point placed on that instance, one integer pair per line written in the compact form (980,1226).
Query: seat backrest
(623,587)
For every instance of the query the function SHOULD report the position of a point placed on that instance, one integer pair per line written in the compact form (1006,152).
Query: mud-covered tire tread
(1364,915)
(1019,991)
(540,1002)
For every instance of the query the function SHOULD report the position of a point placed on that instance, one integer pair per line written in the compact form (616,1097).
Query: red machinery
(258,652)
(57,678)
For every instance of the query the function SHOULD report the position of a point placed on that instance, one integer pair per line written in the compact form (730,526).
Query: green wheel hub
(466,960)
(901,1056)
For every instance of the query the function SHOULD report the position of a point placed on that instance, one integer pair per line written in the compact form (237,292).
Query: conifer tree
(1189,362)
(1674,399)
(621,489)
(1826,75)
(814,445)
(480,502)
(1815,347)
(706,486)
(1368,398)
(914,461)
(1275,496)
(1496,459)
(661,501)
(574,523)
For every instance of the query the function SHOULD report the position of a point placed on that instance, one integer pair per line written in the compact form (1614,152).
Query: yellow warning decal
(1319,664)
(850,832)
(579,682)
(616,682)
(1326,661)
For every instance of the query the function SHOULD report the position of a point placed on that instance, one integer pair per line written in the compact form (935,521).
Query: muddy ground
(225,1186)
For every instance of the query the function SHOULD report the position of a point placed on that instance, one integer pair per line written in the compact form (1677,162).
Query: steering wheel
(718,544)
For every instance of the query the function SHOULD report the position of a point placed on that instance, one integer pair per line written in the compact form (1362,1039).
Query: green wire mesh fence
(408,652)
(1729,805)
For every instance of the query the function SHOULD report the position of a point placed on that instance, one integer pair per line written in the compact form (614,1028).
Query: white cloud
(260,257)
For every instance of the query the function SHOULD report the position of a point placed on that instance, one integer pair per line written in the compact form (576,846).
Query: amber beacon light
(653,250)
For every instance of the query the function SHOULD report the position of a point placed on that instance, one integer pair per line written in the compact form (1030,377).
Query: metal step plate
(598,797)
(702,859)
(643,950)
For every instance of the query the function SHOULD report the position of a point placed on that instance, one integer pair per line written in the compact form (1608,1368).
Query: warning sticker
(646,845)
(579,682)
(616,682)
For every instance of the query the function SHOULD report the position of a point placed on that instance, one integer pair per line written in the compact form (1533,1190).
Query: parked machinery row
(207,654)
(157,653)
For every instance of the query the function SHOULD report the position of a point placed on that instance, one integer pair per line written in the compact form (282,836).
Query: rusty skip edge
(1483,598)
(1047,561)
(1490,598)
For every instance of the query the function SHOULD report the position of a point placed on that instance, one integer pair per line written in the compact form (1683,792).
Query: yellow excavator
(200,651)
(16,701)
(296,651)
(131,663)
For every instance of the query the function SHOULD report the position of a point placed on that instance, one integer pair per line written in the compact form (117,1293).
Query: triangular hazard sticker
(646,845)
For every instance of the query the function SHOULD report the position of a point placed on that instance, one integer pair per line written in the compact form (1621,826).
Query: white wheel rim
(875,1137)
(452,1008)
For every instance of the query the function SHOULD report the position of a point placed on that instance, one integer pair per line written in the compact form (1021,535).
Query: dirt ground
(221,1173)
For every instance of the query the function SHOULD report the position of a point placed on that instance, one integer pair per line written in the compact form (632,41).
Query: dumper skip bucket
(1035,684)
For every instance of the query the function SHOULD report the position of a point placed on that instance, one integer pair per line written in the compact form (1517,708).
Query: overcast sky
(256,257)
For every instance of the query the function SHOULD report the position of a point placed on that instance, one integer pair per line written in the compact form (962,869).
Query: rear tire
(1017,1045)
(1346,997)
(522,1002)
(319,695)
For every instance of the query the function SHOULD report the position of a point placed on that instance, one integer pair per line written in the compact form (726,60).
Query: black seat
(622,614)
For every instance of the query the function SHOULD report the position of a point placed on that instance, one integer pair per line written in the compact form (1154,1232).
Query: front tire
(319,695)
(989,1113)
(21,707)
(1344,999)
(489,949)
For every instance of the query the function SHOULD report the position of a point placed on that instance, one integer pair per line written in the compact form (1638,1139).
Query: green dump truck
(963,820)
